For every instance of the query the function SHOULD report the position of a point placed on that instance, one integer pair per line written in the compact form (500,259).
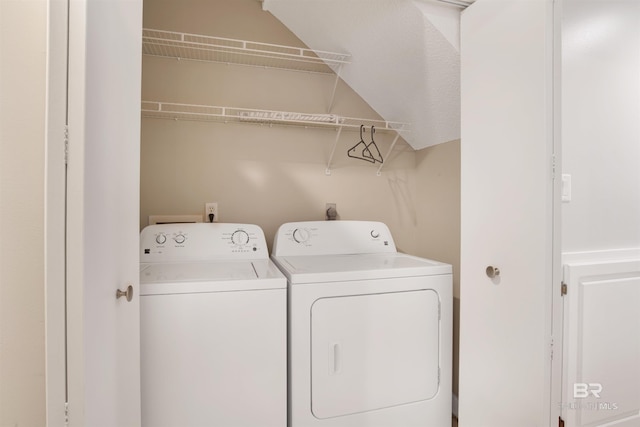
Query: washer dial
(161,239)
(179,238)
(240,238)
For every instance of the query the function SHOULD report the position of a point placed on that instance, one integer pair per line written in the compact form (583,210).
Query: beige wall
(22,103)
(260,174)
(438,195)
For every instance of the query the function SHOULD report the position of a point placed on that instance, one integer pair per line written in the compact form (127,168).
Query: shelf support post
(333,151)
(335,86)
(393,144)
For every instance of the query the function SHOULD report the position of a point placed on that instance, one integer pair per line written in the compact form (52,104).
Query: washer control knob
(240,237)
(180,239)
(375,234)
(300,235)
(161,239)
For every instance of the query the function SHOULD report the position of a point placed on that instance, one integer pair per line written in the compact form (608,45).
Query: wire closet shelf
(217,49)
(177,111)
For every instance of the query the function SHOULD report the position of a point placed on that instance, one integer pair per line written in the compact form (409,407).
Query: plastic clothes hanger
(372,149)
(360,150)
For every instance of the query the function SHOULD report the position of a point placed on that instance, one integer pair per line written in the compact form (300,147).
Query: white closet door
(506,198)
(103,212)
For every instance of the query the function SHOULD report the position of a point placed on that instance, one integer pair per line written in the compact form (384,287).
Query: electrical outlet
(211,208)
(330,211)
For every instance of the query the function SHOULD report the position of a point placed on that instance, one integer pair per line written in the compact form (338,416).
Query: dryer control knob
(161,239)
(375,234)
(301,235)
(180,239)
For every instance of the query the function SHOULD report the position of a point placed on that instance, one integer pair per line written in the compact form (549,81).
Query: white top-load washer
(370,329)
(212,326)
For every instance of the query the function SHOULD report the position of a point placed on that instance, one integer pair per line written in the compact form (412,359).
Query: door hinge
(66,145)
(551,348)
(563,289)
(553,166)
(66,413)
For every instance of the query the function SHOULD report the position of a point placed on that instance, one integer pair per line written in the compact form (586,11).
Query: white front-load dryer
(212,328)
(370,329)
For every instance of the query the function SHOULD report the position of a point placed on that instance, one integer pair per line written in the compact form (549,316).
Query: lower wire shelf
(176,111)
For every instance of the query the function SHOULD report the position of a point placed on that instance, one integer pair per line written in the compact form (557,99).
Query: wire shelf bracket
(393,144)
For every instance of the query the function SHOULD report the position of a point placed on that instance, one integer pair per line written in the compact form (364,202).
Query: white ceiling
(405,57)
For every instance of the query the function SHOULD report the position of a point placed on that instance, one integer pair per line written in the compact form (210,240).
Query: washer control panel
(164,238)
(332,238)
(201,241)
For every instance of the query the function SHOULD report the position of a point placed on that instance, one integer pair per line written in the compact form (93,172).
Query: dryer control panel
(202,241)
(332,238)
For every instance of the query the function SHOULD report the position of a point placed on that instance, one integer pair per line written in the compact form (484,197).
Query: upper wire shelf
(176,111)
(217,49)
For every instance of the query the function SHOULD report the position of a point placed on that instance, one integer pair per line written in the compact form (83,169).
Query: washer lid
(336,268)
(193,277)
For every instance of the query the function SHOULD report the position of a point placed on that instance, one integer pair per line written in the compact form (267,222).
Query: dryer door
(373,351)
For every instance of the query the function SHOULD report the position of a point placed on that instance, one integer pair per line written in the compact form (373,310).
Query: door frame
(557,301)
(55,213)
(60,182)
(62,242)
(75,221)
